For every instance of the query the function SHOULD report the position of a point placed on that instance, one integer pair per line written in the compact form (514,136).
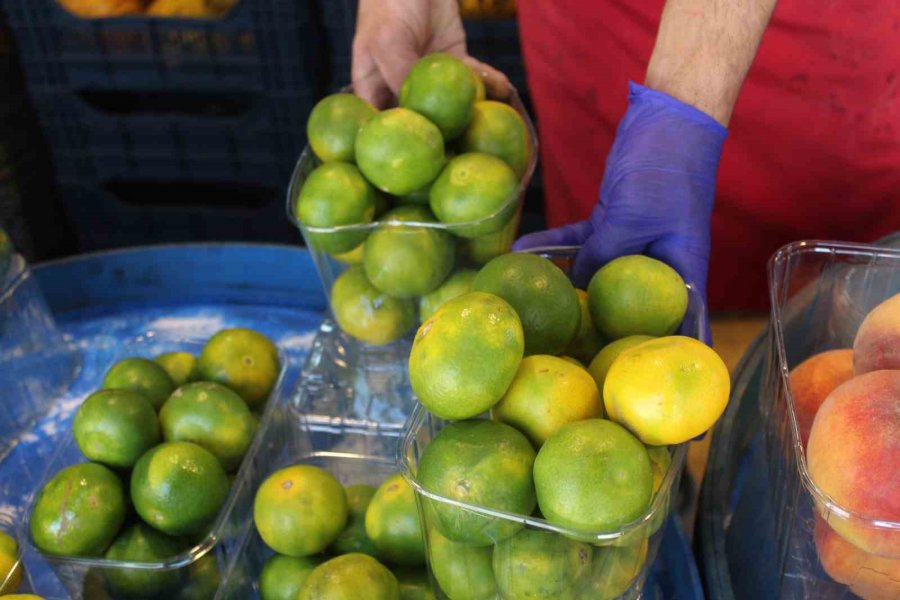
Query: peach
(877,343)
(868,576)
(812,381)
(854,459)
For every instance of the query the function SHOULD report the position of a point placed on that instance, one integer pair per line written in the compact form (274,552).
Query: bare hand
(391,35)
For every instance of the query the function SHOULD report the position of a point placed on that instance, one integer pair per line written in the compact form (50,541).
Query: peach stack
(847,405)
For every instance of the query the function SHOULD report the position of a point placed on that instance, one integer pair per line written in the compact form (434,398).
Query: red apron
(814,143)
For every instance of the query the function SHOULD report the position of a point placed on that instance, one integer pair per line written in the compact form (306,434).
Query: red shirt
(814,143)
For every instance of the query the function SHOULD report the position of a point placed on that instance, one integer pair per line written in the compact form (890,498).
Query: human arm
(659,184)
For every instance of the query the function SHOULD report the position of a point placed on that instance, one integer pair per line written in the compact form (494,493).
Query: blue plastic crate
(118,214)
(495,42)
(256,140)
(262,45)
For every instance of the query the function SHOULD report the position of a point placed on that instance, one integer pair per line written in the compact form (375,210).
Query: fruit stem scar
(287,484)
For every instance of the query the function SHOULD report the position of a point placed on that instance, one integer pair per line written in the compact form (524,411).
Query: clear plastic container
(353,381)
(820,292)
(621,558)
(500,241)
(354,452)
(200,566)
(37,362)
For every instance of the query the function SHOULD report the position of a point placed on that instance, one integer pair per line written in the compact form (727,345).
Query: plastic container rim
(514,100)
(202,547)
(782,256)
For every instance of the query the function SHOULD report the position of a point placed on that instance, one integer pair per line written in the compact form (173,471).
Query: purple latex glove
(657,193)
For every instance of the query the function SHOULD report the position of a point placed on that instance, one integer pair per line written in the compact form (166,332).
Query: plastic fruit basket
(38,362)
(201,565)
(329,268)
(354,452)
(621,558)
(820,293)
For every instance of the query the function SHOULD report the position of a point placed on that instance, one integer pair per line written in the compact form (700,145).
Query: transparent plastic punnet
(37,361)
(196,570)
(353,381)
(354,452)
(619,559)
(820,293)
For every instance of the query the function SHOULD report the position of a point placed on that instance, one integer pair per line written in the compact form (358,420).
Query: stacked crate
(172,129)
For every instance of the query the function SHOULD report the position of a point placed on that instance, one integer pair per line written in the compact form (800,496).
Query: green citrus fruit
(484,464)
(181,367)
(367,313)
(464,572)
(587,341)
(352,257)
(475,194)
(603,360)
(211,416)
(300,510)
(350,577)
(479,86)
(660,460)
(546,394)
(465,355)
(613,570)
(456,285)
(593,476)
(202,580)
(403,260)
(79,511)
(667,390)
(10,567)
(140,375)
(283,576)
(392,523)
(399,151)
(497,129)
(142,544)
(354,538)
(178,488)
(637,295)
(440,87)
(243,360)
(335,194)
(333,125)
(536,564)
(414,584)
(484,248)
(115,427)
(541,295)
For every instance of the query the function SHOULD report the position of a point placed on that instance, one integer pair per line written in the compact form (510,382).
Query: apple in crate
(812,381)
(868,576)
(877,343)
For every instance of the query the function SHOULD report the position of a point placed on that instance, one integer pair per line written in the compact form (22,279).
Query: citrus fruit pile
(409,196)
(333,542)
(163,437)
(582,446)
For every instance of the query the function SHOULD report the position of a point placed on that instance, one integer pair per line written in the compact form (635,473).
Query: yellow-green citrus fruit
(334,123)
(465,355)
(441,88)
(333,195)
(368,314)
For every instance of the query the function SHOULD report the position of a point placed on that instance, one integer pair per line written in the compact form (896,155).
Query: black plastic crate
(117,214)
(495,42)
(262,45)
(250,138)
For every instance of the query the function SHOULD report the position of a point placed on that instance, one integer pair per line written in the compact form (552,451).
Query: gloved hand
(391,35)
(657,193)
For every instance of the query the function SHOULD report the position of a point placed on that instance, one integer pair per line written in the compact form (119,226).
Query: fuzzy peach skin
(854,458)
(877,343)
(812,381)
(868,576)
